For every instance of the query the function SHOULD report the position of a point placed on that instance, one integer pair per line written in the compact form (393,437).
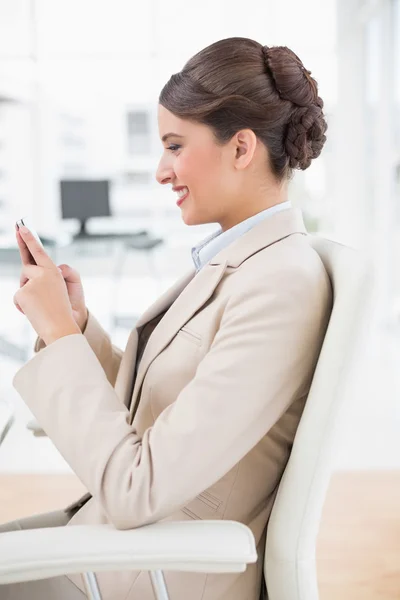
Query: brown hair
(237,83)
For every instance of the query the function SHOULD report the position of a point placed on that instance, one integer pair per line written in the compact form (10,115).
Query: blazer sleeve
(262,359)
(108,354)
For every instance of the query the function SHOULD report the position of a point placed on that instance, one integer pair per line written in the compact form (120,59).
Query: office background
(79,83)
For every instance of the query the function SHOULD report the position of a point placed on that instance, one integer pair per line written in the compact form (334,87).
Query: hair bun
(305,135)
(292,80)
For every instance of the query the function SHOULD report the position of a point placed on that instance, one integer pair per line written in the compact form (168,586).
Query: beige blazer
(208,427)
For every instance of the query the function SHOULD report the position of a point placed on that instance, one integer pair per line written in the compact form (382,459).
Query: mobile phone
(21,223)
(24,221)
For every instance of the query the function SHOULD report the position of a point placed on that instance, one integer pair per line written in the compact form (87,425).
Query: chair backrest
(290,567)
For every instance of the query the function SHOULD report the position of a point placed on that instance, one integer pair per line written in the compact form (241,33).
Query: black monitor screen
(84,199)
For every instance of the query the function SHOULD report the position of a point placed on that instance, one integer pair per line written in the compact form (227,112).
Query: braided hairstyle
(305,133)
(237,84)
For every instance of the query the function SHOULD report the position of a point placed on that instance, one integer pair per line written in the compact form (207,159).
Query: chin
(193,219)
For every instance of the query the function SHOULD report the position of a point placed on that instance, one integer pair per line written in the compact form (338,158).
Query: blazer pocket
(204,506)
(190,514)
(211,501)
(190,335)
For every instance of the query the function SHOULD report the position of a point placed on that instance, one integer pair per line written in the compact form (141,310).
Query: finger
(22,280)
(18,306)
(15,300)
(36,249)
(31,272)
(70,275)
(27,274)
(26,256)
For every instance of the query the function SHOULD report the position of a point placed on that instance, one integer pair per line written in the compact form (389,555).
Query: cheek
(183,167)
(192,166)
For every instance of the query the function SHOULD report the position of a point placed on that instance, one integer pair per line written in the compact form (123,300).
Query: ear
(245,142)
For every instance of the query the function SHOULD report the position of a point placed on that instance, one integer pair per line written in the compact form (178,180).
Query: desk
(119,236)
(86,240)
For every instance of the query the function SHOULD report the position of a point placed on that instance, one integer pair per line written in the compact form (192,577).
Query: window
(138,178)
(139,139)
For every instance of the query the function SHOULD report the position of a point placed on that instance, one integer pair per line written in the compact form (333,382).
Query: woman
(195,420)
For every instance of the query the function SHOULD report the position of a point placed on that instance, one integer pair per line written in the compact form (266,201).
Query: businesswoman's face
(201,172)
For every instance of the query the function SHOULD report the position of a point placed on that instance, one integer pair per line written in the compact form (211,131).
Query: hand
(43,298)
(72,279)
(76,295)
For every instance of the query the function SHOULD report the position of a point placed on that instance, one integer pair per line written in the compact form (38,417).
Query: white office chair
(290,565)
(227,546)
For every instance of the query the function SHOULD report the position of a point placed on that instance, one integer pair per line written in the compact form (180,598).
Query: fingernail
(24,229)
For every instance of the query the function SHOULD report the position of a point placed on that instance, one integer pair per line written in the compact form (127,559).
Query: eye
(173,147)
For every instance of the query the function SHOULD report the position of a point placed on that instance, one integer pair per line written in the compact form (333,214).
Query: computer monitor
(82,199)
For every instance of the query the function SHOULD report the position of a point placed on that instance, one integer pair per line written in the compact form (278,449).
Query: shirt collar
(218,240)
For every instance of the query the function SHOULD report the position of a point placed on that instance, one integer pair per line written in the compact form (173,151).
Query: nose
(165,173)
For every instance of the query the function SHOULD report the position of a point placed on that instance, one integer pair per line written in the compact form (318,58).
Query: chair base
(157,581)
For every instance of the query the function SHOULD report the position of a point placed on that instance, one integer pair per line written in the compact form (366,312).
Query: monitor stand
(83,232)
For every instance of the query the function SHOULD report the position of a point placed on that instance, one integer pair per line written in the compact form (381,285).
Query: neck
(253,206)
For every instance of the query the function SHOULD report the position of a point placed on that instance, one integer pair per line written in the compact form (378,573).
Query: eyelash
(173,147)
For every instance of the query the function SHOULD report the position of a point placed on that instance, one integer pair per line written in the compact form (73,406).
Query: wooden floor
(359,541)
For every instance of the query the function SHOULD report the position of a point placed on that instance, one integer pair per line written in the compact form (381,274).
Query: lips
(182,195)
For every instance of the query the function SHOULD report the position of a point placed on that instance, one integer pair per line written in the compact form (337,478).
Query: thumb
(70,275)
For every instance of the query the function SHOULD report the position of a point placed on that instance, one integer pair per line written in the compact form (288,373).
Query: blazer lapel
(125,380)
(193,296)
(166,299)
(126,369)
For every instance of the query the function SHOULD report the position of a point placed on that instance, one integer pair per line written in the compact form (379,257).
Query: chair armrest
(196,546)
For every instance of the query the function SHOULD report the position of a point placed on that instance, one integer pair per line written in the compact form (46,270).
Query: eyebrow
(168,135)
